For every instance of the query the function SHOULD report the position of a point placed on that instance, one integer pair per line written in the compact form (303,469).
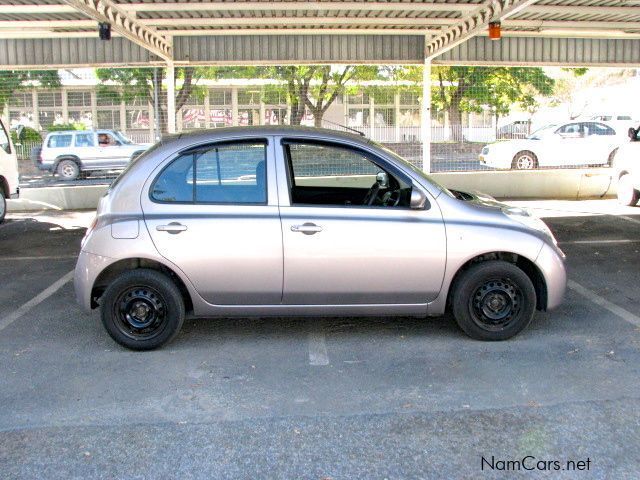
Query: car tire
(68,170)
(524,160)
(3,206)
(493,300)
(611,157)
(142,309)
(627,195)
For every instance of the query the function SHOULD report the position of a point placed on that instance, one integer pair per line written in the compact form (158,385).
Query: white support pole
(171,98)
(234,107)
(425,130)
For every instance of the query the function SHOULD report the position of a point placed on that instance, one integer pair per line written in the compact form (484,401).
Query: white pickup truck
(627,169)
(72,152)
(8,170)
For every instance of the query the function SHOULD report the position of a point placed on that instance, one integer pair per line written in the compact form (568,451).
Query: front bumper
(88,267)
(494,161)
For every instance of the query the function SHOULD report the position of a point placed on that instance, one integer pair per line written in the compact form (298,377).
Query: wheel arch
(60,158)
(112,271)
(522,262)
(525,151)
(4,187)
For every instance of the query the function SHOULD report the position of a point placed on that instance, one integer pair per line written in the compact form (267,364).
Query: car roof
(212,133)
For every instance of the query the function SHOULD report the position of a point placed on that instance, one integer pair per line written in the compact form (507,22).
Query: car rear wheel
(627,195)
(68,170)
(493,300)
(142,309)
(524,161)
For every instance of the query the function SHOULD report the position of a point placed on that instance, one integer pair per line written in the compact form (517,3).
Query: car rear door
(213,212)
(340,252)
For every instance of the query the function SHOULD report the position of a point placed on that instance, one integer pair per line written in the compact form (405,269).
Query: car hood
(478,198)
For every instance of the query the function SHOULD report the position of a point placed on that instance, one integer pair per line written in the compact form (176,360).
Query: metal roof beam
(470,25)
(126,25)
(337,22)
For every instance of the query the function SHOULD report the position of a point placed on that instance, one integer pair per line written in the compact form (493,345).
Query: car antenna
(345,127)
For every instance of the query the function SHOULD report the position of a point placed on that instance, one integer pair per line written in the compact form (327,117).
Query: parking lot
(322,398)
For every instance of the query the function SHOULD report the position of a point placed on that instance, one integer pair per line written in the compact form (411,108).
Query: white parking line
(588,242)
(604,303)
(317,348)
(43,257)
(43,295)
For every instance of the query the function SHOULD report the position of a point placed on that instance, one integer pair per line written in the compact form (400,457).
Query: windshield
(123,138)
(541,132)
(418,171)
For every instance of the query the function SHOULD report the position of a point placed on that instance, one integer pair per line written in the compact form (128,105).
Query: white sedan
(577,143)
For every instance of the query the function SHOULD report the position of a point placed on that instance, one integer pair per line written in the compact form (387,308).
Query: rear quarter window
(60,141)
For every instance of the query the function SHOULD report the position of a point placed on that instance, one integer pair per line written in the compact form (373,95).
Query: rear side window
(84,140)
(230,173)
(599,129)
(60,141)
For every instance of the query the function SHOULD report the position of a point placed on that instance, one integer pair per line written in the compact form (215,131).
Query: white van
(8,170)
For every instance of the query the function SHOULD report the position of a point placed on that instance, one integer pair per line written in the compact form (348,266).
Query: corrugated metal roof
(280,24)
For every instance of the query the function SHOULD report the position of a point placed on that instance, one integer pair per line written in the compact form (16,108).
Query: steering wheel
(391,198)
(371,195)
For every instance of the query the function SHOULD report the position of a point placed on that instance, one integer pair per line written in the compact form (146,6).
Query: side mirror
(632,133)
(382,179)
(418,199)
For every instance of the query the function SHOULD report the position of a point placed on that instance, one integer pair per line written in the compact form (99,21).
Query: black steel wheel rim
(496,303)
(140,313)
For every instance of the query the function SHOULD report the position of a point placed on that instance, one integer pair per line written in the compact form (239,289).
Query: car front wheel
(627,195)
(524,161)
(142,309)
(493,300)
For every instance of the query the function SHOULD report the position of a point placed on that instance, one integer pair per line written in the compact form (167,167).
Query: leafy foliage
(13,81)
(60,127)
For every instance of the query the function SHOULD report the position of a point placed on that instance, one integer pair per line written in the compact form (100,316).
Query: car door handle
(306,228)
(173,228)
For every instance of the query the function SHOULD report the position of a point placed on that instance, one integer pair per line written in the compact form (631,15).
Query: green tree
(316,87)
(468,89)
(458,89)
(13,81)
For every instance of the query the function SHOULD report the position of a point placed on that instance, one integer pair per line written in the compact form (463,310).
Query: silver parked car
(301,221)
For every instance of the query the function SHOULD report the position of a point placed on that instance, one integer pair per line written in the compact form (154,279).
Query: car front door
(110,152)
(213,212)
(343,248)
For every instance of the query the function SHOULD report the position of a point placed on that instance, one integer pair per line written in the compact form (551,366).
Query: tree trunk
(455,123)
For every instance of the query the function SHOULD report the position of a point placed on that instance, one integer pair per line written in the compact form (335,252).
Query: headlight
(485,151)
(529,220)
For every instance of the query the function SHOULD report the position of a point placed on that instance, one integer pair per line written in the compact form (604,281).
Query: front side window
(60,141)
(327,174)
(222,174)
(599,129)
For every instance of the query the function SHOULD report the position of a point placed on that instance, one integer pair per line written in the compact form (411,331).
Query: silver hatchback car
(293,221)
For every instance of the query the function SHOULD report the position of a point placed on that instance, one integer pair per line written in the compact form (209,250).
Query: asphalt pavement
(396,398)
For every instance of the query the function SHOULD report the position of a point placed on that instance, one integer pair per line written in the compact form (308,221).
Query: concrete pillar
(262,112)
(396,98)
(36,110)
(94,109)
(123,117)
(234,106)
(171,98)
(425,130)
(372,117)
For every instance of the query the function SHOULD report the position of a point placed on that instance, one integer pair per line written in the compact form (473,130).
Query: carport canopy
(64,33)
